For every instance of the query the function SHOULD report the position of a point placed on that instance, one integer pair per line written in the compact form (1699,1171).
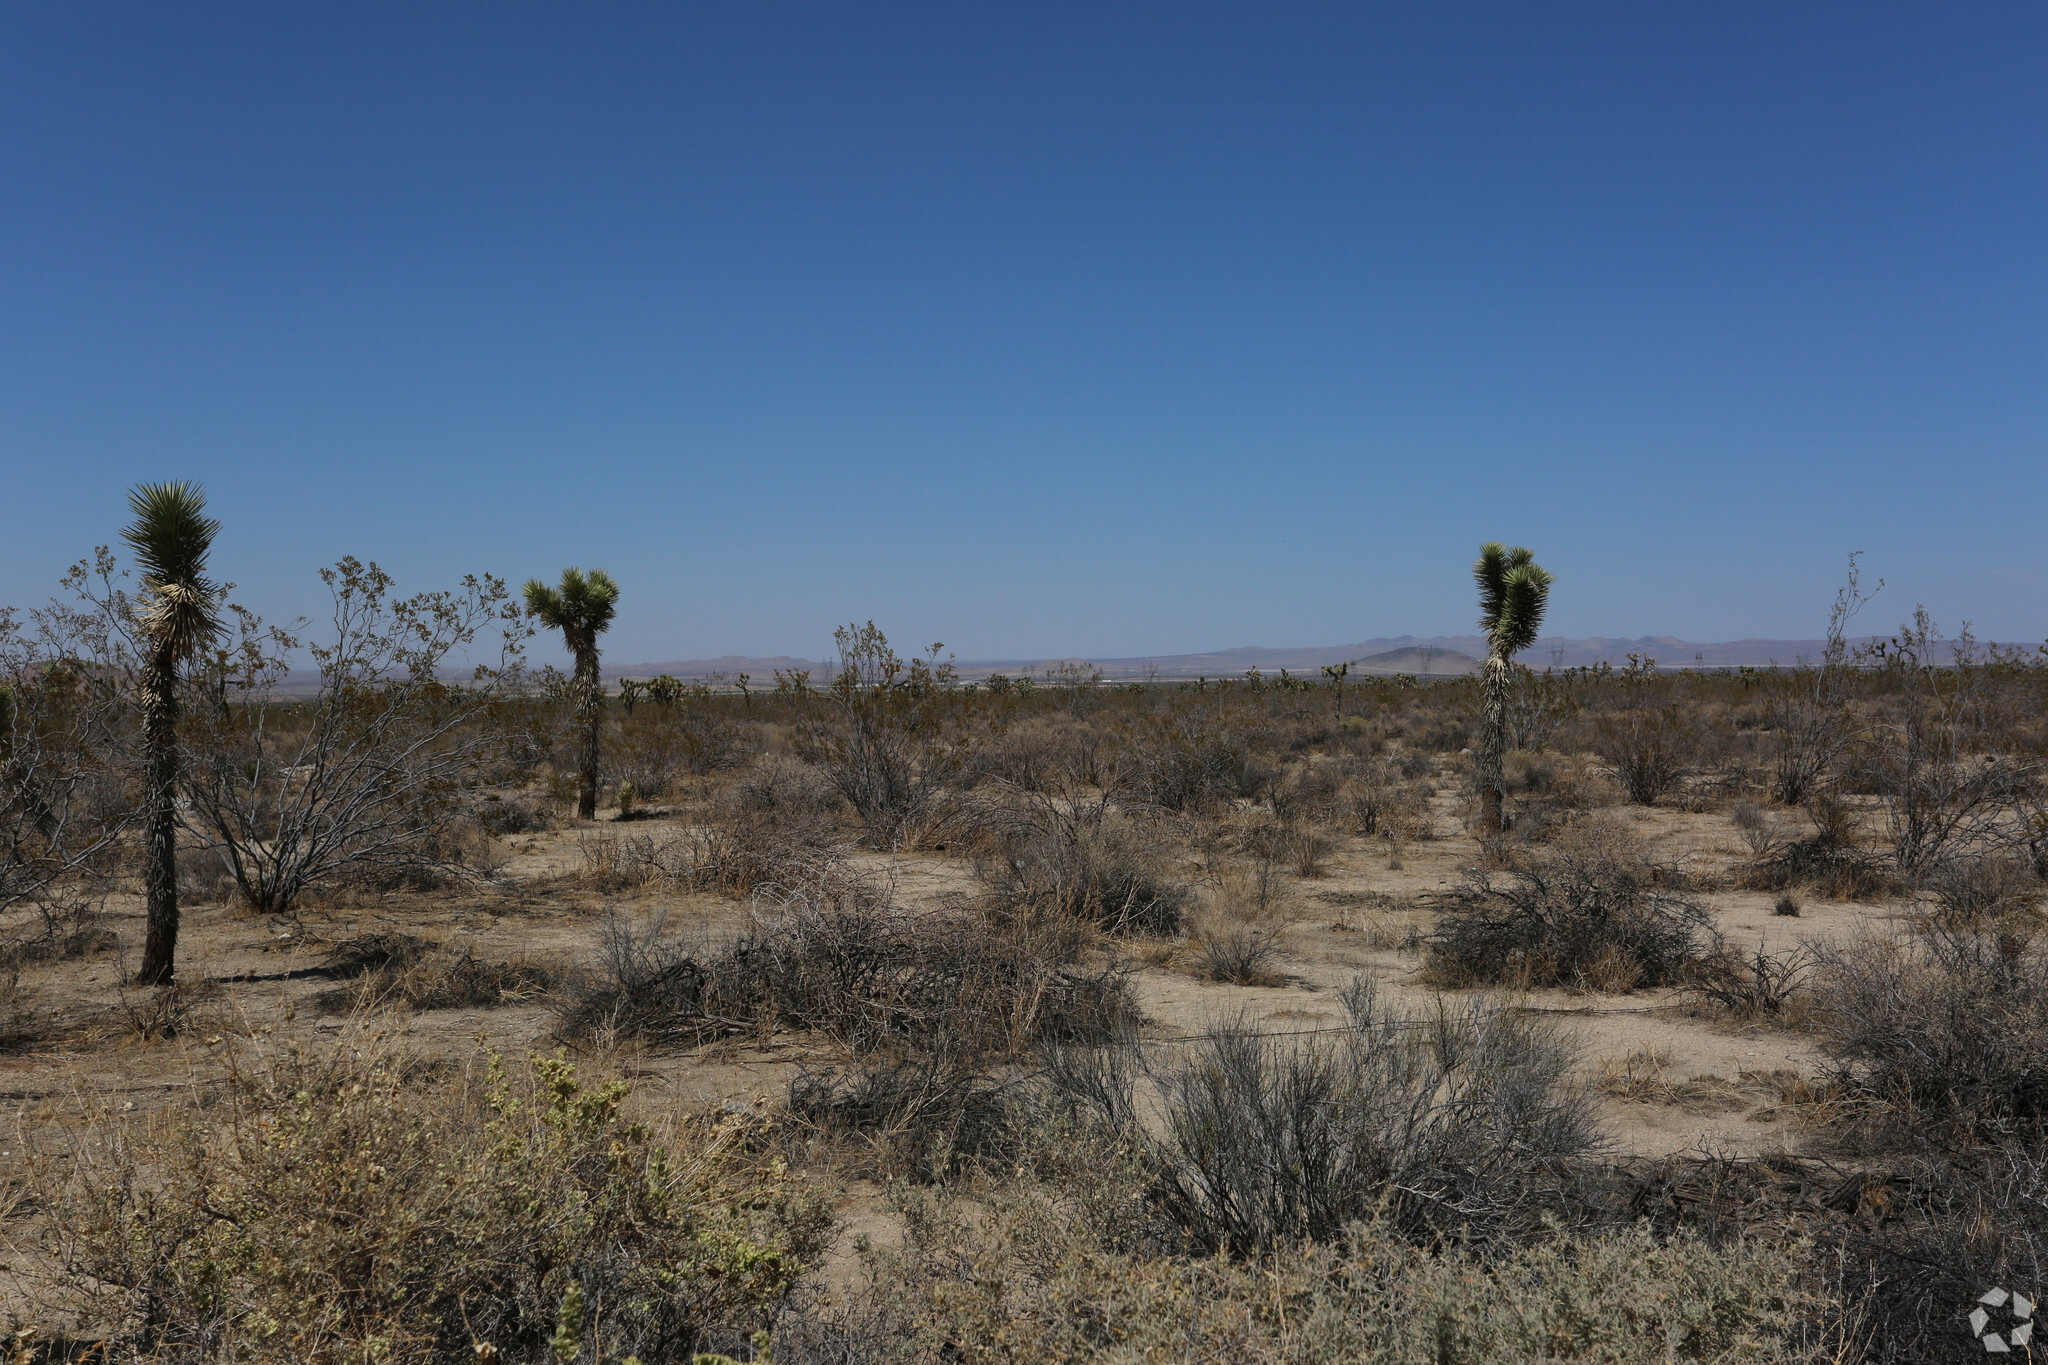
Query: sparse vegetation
(1456,1127)
(1592,913)
(897,928)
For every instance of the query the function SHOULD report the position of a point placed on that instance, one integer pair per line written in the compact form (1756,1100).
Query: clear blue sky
(1109,329)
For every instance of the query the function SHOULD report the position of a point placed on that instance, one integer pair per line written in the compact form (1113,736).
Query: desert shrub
(1592,912)
(917,1117)
(1830,860)
(1936,761)
(1313,792)
(1376,801)
(501,814)
(348,1209)
(1757,828)
(750,854)
(1247,889)
(1289,840)
(1762,985)
(1950,1227)
(888,740)
(1649,743)
(204,878)
(1444,735)
(1459,1126)
(840,960)
(1978,892)
(784,791)
(1946,1031)
(1239,954)
(655,746)
(1524,771)
(1191,768)
(769,827)
(1038,1275)
(360,785)
(739,854)
(1039,754)
(621,862)
(1548,793)
(1307,849)
(1096,867)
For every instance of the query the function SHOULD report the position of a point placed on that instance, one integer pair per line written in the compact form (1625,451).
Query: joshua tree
(1512,594)
(1336,673)
(179,617)
(582,610)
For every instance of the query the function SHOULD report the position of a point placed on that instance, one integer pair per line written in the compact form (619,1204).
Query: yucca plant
(582,609)
(1513,592)
(178,618)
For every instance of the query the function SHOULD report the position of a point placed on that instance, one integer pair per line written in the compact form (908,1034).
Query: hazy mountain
(1435,655)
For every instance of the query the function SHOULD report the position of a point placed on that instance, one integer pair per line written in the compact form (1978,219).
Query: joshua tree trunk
(1493,743)
(590,715)
(160,832)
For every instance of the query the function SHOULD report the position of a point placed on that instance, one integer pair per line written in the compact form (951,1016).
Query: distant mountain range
(1438,656)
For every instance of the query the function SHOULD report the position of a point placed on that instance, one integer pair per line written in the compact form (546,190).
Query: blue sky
(1042,329)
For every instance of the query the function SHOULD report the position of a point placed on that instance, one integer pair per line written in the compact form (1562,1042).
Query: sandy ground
(1714,1084)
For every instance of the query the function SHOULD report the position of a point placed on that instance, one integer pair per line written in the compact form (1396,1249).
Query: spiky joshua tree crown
(1512,594)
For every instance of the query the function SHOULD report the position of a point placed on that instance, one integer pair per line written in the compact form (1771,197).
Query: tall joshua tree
(582,609)
(1513,592)
(179,617)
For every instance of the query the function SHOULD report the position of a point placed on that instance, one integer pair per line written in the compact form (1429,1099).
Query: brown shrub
(838,958)
(1591,912)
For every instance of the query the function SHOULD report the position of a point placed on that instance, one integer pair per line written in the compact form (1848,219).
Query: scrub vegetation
(426,1007)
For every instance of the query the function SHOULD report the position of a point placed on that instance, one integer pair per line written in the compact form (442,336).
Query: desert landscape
(1023,684)
(873,986)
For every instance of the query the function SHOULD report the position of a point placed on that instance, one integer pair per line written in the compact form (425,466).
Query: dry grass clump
(839,959)
(772,823)
(1460,1126)
(350,1209)
(1091,866)
(1592,912)
(1645,1076)
(400,969)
